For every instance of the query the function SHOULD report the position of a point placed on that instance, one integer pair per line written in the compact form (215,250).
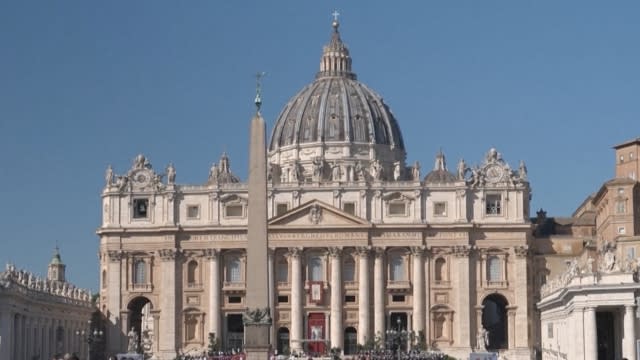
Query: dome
(338,113)
(440,174)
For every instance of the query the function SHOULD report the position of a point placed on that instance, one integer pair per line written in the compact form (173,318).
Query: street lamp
(93,335)
(396,337)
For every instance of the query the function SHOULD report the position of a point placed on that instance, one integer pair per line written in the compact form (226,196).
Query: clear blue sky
(84,84)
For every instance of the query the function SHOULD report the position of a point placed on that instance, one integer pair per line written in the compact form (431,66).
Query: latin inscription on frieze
(401,235)
(219,237)
(318,236)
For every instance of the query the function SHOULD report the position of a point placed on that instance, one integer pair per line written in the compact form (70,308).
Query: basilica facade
(361,245)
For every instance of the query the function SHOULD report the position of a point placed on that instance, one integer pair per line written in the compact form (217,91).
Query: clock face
(494,173)
(141,177)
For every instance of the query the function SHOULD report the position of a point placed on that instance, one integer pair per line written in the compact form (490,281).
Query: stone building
(41,318)
(360,242)
(588,306)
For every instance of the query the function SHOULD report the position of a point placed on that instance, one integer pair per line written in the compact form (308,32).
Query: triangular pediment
(317,213)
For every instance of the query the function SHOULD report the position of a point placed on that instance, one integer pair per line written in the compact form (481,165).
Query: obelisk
(257,319)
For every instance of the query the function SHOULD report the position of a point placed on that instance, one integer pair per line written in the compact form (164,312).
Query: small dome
(56,259)
(336,109)
(440,174)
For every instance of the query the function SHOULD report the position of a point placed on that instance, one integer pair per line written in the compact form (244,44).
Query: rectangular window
(439,209)
(397,208)
(140,208)
(621,230)
(350,298)
(235,300)
(349,208)
(397,298)
(233,210)
(620,206)
(631,253)
(281,208)
(283,299)
(193,212)
(494,204)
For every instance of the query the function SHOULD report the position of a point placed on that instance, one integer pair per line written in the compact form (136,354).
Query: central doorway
(235,333)
(606,332)
(316,333)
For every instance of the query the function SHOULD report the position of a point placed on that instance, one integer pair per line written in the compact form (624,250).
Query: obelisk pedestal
(257,317)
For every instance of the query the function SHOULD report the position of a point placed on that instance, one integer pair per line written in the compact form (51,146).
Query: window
(349,208)
(140,208)
(397,271)
(104,279)
(494,268)
(283,299)
(349,269)
(193,212)
(440,268)
(630,155)
(192,272)
(233,270)
(621,230)
(620,206)
(621,159)
(397,298)
(139,272)
(282,272)
(315,269)
(494,204)
(397,208)
(281,208)
(233,210)
(235,300)
(191,323)
(550,330)
(440,209)
(350,298)
(631,253)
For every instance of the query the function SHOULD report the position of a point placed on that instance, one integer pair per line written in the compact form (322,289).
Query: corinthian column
(296,299)
(363,293)
(418,289)
(590,334)
(378,293)
(336,297)
(628,342)
(168,303)
(214,301)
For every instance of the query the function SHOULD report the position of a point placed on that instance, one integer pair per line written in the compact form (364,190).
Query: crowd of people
(386,354)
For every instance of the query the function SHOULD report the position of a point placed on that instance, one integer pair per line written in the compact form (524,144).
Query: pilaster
(168,309)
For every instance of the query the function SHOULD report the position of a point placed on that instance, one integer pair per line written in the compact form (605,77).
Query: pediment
(317,213)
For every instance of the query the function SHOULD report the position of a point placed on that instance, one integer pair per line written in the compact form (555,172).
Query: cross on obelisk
(257,317)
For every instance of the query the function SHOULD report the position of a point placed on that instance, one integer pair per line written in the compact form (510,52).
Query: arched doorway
(140,320)
(494,320)
(283,341)
(350,341)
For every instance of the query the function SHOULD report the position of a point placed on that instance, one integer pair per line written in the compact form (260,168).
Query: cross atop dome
(335,59)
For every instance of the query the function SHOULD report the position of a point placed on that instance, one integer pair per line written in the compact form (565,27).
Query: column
(521,326)
(590,334)
(511,326)
(427,294)
(418,289)
(296,300)
(336,297)
(6,330)
(168,303)
(114,286)
(462,306)
(628,342)
(214,301)
(379,293)
(272,292)
(363,295)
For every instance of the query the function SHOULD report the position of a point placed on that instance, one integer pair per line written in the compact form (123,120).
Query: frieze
(319,236)
(446,235)
(400,235)
(219,237)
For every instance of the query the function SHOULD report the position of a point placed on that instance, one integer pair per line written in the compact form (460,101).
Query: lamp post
(396,337)
(93,335)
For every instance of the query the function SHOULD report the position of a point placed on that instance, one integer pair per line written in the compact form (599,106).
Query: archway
(350,341)
(140,319)
(494,320)
(283,341)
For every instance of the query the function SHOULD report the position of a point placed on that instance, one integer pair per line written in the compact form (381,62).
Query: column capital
(521,251)
(294,252)
(211,253)
(379,252)
(115,255)
(462,250)
(363,251)
(418,250)
(167,254)
(334,251)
